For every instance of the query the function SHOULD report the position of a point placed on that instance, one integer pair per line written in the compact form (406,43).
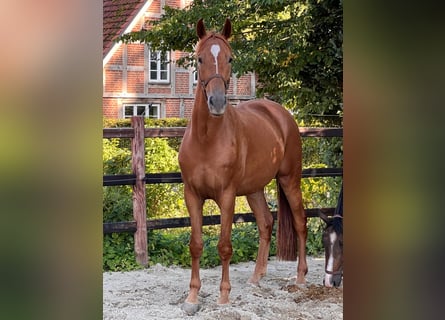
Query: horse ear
(200,29)
(323,217)
(227,29)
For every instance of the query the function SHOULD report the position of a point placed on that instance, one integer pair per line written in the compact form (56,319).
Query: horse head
(333,245)
(214,57)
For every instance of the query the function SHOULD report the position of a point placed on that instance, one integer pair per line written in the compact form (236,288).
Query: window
(151,110)
(195,76)
(159,67)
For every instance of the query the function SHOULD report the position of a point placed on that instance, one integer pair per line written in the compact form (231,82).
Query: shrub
(118,252)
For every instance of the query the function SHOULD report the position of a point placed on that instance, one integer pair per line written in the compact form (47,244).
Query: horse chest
(208,169)
(216,166)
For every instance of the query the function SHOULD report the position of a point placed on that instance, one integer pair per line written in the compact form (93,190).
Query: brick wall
(172,108)
(243,85)
(182,83)
(135,82)
(116,59)
(135,55)
(155,7)
(188,108)
(113,81)
(159,89)
(110,108)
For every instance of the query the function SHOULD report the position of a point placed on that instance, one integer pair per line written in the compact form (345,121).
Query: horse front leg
(194,206)
(227,207)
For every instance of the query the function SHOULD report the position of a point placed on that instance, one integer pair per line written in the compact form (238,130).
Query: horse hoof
(253,283)
(223,301)
(301,281)
(190,308)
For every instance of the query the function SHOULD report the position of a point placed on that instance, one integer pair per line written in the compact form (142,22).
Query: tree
(294,47)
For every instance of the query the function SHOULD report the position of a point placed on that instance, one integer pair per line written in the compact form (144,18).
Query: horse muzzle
(217,104)
(333,280)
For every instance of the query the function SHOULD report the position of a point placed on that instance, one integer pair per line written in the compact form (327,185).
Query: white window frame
(195,76)
(136,110)
(159,64)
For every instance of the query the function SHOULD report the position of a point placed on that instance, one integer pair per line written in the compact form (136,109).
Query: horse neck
(205,126)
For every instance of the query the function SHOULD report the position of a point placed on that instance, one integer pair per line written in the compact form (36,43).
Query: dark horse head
(333,246)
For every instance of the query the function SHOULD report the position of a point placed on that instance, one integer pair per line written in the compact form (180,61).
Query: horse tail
(286,232)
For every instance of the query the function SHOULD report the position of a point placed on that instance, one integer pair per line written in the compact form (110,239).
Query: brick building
(137,80)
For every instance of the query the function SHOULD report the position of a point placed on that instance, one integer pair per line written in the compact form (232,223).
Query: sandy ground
(158,293)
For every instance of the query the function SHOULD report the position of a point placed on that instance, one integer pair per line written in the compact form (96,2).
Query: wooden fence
(138,179)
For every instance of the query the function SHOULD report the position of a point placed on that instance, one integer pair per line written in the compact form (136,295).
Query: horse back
(269,117)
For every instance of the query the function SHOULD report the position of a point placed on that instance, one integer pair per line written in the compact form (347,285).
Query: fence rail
(180,222)
(139,179)
(175,177)
(178,132)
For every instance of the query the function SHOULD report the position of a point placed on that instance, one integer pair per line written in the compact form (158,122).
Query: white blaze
(215,51)
(330,264)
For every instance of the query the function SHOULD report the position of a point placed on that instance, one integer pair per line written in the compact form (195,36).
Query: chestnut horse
(231,151)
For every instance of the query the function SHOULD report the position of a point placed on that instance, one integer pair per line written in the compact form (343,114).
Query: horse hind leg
(290,185)
(264,220)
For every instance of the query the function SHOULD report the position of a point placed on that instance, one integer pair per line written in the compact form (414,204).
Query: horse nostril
(211,100)
(336,281)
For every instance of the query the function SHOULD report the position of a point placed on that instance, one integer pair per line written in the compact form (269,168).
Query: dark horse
(232,151)
(333,245)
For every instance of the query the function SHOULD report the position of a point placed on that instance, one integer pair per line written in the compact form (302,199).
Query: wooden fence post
(139,199)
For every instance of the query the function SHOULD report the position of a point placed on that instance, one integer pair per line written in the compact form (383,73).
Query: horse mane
(337,220)
(337,225)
